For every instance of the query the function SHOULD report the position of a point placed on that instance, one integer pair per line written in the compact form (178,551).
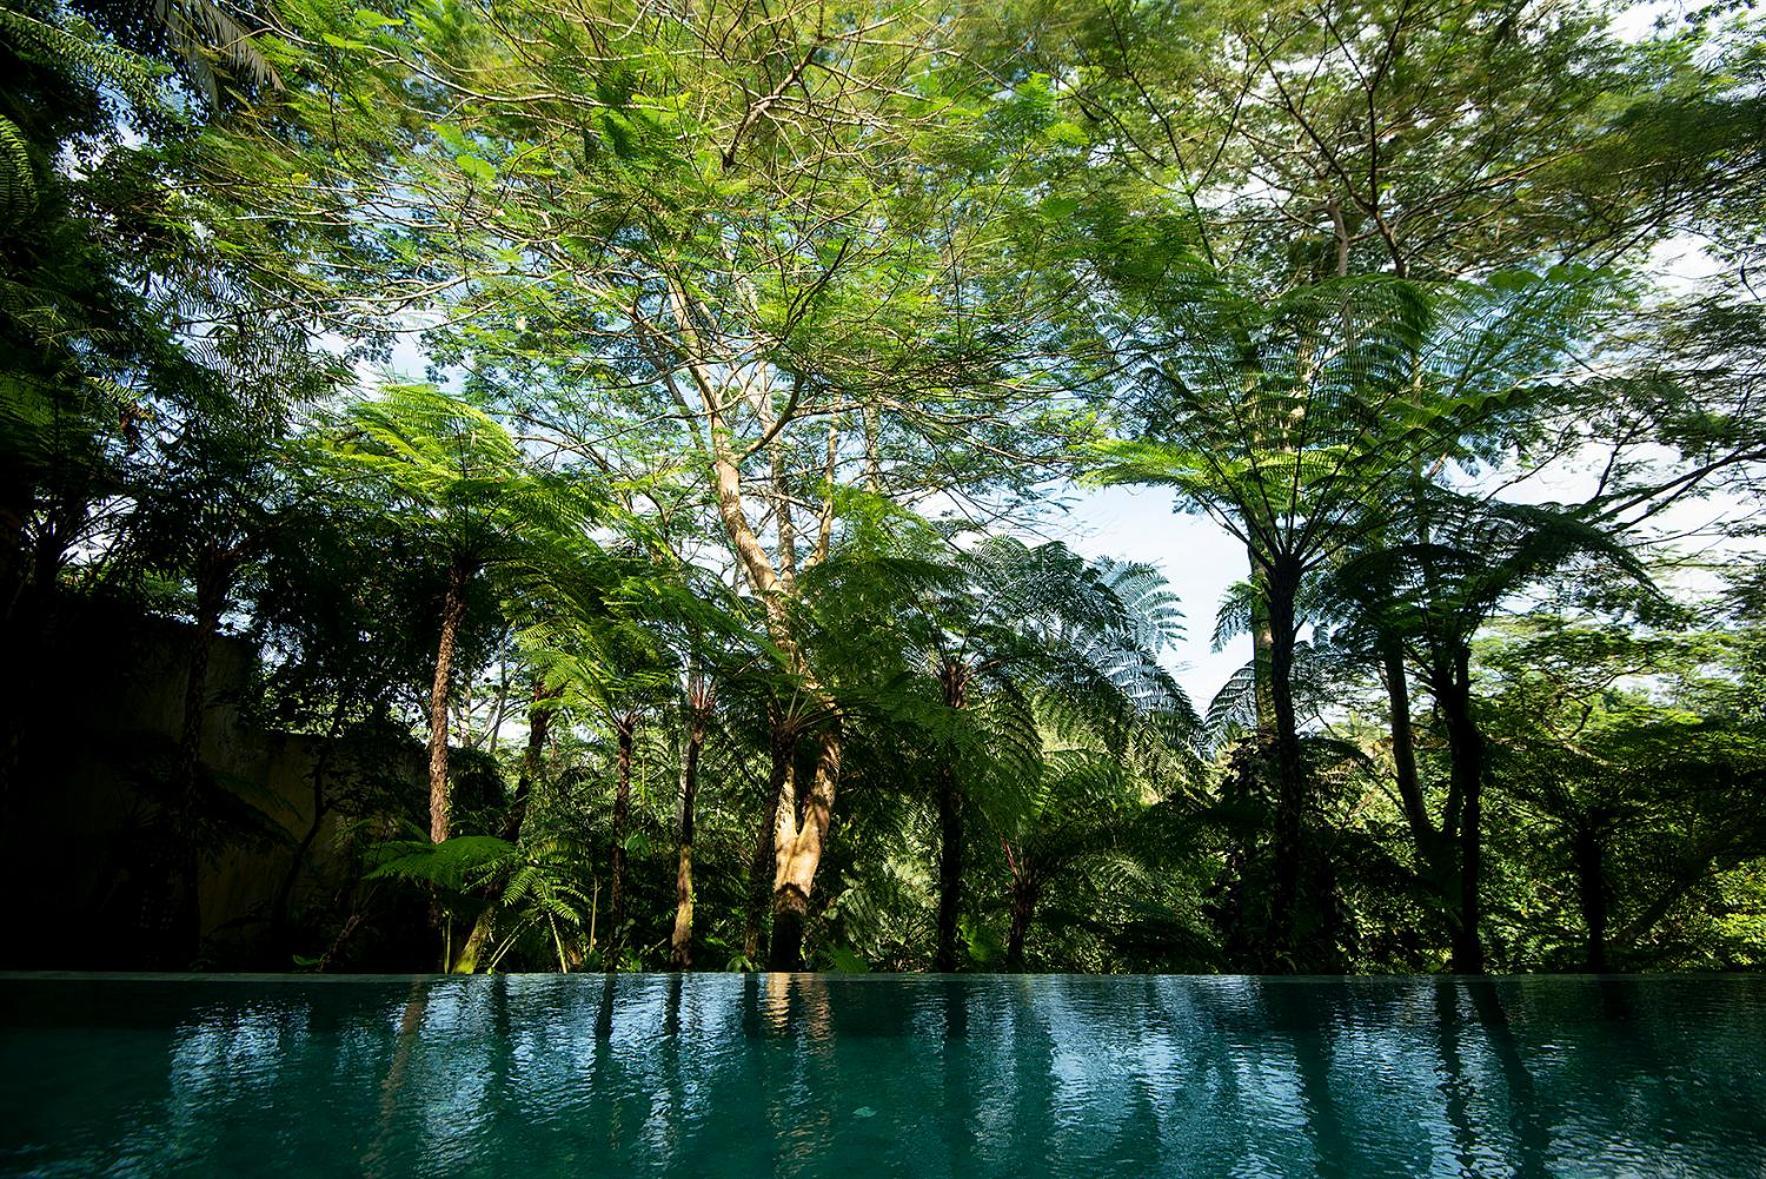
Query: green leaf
(476,168)
(1064,132)
(846,961)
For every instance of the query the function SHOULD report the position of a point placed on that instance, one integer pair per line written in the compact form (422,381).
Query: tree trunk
(1024,895)
(783,742)
(799,836)
(1416,814)
(954,680)
(950,869)
(539,727)
(625,726)
(1424,833)
(210,601)
(1465,745)
(1290,774)
(681,941)
(453,614)
(472,949)
(1262,649)
(539,723)
(183,913)
(873,430)
(1591,879)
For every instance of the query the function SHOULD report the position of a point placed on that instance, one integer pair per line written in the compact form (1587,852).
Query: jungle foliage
(625,432)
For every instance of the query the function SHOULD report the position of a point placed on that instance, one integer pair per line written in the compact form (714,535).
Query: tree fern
(459,864)
(204,32)
(18,174)
(72,44)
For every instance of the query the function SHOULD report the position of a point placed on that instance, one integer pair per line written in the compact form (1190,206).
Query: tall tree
(452,474)
(1428,599)
(1298,424)
(1033,626)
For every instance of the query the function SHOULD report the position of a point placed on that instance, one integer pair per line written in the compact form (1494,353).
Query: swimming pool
(720,1074)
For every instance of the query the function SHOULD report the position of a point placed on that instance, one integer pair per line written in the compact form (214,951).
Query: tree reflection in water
(811,1074)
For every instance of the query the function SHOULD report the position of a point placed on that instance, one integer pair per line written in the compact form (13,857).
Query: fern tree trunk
(1591,881)
(953,679)
(681,940)
(782,743)
(1023,893)
(1465,746)
(1282,585)
(1433,846)
(1410,792)
(1436,854)
(625,728)
(539,723)
(182,932)
(453,614)
(539,729)
(799,835)
(1262,649)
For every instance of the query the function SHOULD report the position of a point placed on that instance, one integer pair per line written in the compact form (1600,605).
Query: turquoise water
(817,1075)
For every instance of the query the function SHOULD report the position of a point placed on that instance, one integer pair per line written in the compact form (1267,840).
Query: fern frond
(18,174)
(456,864)
(74,45)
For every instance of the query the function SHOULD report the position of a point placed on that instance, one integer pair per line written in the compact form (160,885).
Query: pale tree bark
(799,835)
(799,825)
(783,743)
(873,432)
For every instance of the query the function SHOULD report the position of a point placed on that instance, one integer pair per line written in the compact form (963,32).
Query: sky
(1198,557)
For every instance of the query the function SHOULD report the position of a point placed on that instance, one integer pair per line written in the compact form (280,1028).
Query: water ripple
(806,1075)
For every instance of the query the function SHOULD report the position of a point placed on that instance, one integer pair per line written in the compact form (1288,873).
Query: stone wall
(97,739)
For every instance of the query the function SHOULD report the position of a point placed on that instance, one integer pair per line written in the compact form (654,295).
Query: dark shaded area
(92,830)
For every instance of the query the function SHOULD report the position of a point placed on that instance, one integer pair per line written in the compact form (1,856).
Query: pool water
(716,1074)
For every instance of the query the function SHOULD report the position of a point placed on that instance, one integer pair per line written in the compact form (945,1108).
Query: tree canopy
(623,446)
